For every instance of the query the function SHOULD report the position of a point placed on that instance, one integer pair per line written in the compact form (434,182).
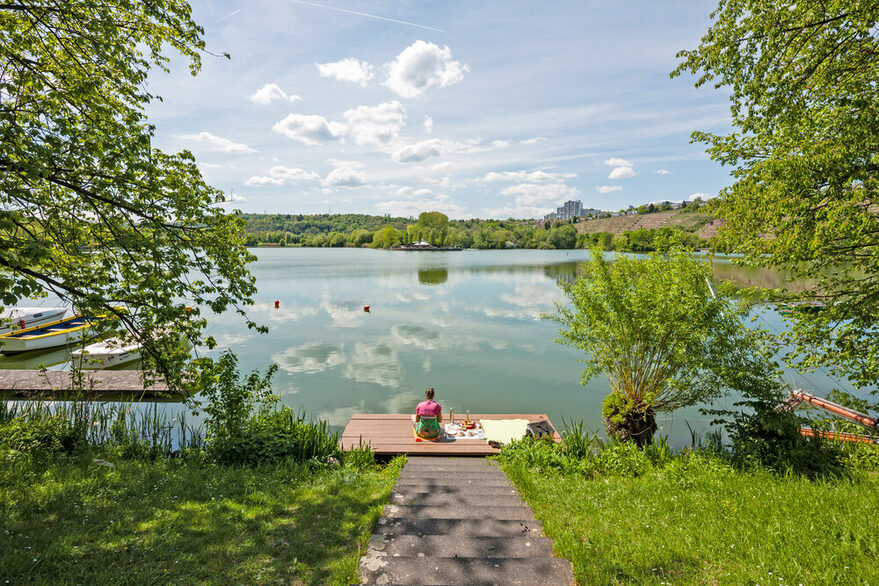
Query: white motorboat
(20,318)
(50,335)
(104,354)
(110,352)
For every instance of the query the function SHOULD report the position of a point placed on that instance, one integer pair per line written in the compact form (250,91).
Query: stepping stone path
(459,521)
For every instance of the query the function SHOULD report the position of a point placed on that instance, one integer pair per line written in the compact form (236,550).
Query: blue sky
(476,109)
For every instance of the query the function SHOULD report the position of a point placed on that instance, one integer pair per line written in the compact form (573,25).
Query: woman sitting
(428,416)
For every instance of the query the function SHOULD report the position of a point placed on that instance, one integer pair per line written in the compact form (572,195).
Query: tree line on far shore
(361,230)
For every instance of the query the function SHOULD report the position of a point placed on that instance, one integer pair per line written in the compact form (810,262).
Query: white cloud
(349,69)
(621,173)
(608,188)
(621,168)
(279,175)
(421,66)
(344,177)
(428,124)
(443,167)
(530,141)
(408,191)
(271,92)
(663,172)
(703,196)
(533,199)
(527,177)
(346,163)
(310,129)
(230,197)
(413,207)
(500,144)
(376,125)
(432,147)
(217,143)
(530,194)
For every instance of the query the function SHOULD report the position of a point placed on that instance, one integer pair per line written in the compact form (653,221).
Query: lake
(466,323)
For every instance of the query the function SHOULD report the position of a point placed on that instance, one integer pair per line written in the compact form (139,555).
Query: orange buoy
(366,308)
(277,304)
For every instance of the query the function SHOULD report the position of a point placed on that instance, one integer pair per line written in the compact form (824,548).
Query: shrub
(274,436)
(44,433)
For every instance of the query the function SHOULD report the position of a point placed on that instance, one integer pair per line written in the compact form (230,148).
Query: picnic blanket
(453,430)
(504,430)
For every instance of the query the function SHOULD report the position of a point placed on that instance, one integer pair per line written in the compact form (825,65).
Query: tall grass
(82,424)
(130,430)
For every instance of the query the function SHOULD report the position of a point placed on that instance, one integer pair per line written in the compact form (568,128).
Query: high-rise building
(570,209)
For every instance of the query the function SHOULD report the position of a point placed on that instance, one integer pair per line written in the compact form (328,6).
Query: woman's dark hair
(428,394)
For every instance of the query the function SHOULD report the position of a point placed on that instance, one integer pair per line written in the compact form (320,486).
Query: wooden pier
(26,384)
(390,434)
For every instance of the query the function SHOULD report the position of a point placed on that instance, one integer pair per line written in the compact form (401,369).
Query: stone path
(459,521)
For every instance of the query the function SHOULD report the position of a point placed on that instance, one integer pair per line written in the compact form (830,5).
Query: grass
(695,519)
(142,522)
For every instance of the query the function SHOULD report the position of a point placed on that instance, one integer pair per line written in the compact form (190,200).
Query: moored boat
(104,354)
(57,333)
(20,318)
(109,353)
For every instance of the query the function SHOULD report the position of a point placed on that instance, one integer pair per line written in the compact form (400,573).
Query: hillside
(703,224)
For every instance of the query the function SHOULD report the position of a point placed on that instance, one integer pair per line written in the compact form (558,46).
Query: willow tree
(658,332)
(803,80)
(89,210)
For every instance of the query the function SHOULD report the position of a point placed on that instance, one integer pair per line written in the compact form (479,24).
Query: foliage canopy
(804,100)
(89,210)
(656,330)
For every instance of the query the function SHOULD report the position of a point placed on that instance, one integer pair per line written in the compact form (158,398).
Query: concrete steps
(459,521)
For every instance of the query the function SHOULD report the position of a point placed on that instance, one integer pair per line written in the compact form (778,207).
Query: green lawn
(169,521)
(696,520)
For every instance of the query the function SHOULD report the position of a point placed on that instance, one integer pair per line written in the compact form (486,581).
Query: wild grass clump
(585,453)
(274,436)
(244,426)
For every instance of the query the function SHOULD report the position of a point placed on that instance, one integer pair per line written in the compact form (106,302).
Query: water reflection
(433,276)
(36,359)
(466,323)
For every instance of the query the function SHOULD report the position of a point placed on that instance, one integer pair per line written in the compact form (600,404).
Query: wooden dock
(25,384)
(390,434)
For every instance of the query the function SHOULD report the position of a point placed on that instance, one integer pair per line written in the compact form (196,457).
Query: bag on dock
(540,430)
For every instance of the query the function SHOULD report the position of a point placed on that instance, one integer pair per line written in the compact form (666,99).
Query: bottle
(452,415)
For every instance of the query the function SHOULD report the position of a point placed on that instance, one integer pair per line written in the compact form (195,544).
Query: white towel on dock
(504,430)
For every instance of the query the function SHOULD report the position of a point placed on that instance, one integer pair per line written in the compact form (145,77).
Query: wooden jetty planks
(30,383)
(391,434)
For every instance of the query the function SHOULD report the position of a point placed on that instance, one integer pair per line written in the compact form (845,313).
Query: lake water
(466,323)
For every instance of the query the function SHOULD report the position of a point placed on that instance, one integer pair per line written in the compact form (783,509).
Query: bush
(274,436)
(770,438)
(44,433)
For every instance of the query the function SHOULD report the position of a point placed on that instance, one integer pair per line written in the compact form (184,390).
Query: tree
(655,329)
(563,237)
(386,237)
(804,99)
(88,209)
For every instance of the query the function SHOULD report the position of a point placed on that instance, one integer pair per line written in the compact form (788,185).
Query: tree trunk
(635,425)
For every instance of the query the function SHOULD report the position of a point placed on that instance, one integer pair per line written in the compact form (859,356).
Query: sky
(489,109)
